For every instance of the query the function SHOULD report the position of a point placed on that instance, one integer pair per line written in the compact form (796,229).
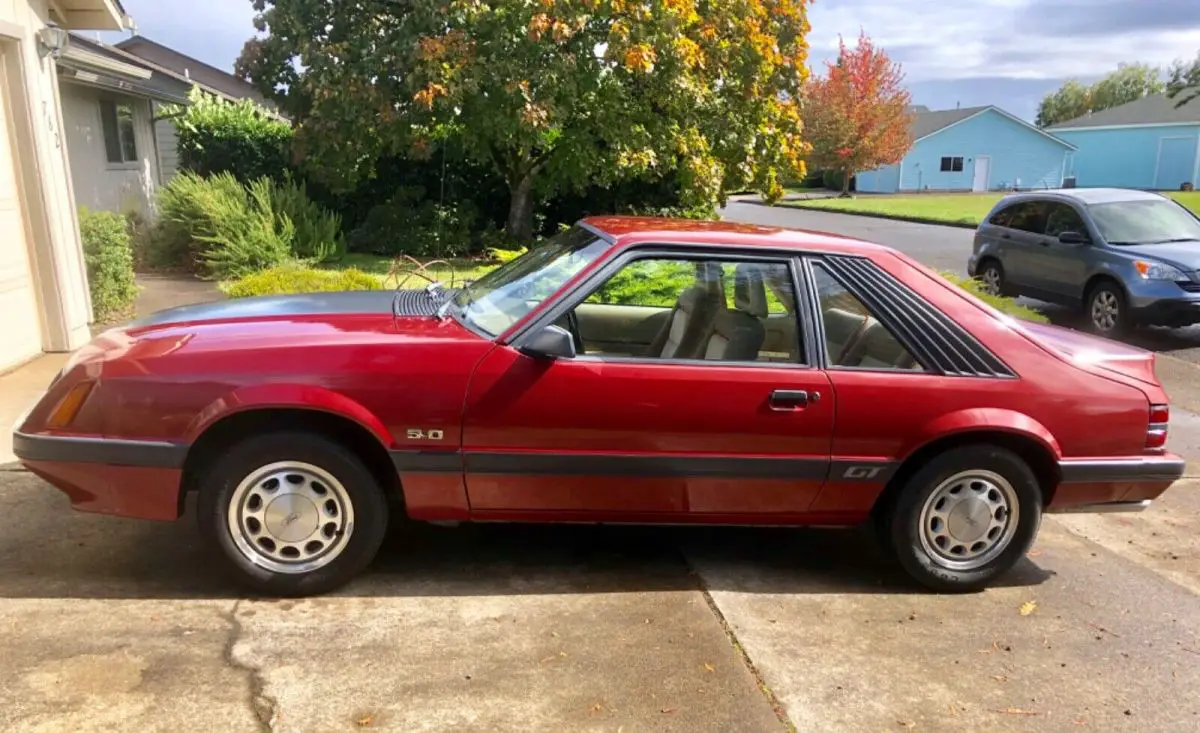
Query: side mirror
(552,342)
(1072,238)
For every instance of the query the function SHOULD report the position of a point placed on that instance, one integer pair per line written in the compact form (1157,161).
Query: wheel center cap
(291,518)
(969,520)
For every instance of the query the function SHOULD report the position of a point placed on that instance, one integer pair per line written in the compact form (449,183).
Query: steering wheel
(573,327)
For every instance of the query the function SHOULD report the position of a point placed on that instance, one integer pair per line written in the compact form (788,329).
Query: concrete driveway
(109,624)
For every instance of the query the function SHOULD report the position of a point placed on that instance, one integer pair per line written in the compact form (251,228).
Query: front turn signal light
(68,407)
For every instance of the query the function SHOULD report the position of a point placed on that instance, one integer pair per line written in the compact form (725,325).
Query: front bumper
(125,478)
(1114,485)
(1163,303)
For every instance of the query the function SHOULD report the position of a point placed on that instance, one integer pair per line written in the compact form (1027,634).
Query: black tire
(1000,285)
(1108,298)
(903,528)
(238,463)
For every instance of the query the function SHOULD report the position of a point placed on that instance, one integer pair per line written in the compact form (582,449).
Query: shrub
(293,278)
(318,232)
(216,136)
(108,256)
(220,227)
(832,180)
(999,302)
(410,224)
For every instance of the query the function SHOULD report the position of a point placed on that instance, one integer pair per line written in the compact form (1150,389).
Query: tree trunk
(845,194)
(520,209)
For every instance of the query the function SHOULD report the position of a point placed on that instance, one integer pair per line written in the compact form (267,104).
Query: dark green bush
(216,136)
(318,232)
(409,223)
(108,256)
(832,180)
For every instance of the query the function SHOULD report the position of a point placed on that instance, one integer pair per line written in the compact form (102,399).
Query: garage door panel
(20,327)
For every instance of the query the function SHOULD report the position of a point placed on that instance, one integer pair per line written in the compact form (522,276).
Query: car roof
(631,230)
(1087,195)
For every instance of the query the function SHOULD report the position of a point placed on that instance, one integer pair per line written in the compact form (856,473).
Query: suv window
(854,337)
(1027,216)
(1064,218)
(691,308)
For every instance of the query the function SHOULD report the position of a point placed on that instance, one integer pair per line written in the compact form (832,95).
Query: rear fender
(289,396)
(982,419)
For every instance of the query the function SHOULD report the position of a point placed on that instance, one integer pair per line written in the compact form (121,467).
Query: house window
(952,164)
(117,119)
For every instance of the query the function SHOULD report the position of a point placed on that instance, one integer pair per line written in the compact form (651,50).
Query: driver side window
(693,309)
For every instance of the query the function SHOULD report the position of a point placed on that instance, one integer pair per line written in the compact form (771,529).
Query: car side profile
(1125,257)
(624,370)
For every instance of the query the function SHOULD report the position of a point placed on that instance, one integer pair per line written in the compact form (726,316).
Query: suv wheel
(1107,312)
(991,277)
(292,513)
(965,517)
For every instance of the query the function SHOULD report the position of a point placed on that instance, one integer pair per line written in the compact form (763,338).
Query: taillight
(1156,432)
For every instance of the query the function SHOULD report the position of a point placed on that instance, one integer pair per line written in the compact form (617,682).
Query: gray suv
(1127,257)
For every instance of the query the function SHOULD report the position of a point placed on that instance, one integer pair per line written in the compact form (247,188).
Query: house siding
(1017,154)
(881,180)
(166,139)
(99,184)
(1135,157)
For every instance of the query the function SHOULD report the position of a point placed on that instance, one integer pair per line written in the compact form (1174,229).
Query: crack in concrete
(264,707)
(775,703)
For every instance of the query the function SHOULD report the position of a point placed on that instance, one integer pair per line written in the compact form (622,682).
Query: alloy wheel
(1106,310)
(991,280)
(290,517)
(969,519)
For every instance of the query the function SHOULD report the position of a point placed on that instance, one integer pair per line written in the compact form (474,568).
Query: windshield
(496,301)
(1145,222)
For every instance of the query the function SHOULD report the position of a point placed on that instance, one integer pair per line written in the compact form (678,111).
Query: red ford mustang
(626,370)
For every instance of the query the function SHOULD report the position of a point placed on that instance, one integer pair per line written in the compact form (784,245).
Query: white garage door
(20,328)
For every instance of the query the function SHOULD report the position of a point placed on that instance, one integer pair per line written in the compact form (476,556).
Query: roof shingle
(1155,109)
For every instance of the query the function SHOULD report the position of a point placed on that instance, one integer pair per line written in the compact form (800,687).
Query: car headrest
(749,294)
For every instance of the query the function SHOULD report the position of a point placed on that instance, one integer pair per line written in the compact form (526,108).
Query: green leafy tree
(1128,83)
(1185,81)
(552,94)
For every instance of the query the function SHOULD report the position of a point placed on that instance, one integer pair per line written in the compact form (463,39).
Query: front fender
(982,419)
(291,396)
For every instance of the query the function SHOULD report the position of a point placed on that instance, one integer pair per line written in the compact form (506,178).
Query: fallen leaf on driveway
(999,678)
(365,721)
(1079,721)
(708,666)
(597,708)
(907,724)
(1028,607)
(1101,629)
(1015,711)
(668,711)
(1034,553)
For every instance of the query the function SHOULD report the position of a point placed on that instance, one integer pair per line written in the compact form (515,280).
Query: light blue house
(972,149)
(1148,143)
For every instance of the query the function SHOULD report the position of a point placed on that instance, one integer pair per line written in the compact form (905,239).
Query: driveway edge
(763,687)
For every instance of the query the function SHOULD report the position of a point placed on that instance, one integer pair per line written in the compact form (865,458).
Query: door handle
(791,399)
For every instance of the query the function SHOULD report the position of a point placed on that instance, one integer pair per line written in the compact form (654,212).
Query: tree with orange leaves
(857,116)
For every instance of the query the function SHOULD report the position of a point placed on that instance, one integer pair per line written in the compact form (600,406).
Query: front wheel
(965,518)
(1108,313)
(991,278)
(292,513)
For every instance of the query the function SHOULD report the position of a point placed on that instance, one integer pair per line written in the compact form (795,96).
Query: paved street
(109,624)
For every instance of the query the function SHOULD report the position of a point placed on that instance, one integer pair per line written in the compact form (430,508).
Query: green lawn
(964,208)
(382,267)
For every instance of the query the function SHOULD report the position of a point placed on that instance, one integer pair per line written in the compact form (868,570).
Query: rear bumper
(125,478)
(1114,485)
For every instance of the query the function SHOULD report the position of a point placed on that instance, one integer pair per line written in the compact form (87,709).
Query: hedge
(108,257)
(293,278)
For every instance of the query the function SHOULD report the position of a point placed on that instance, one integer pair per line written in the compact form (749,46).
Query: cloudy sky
(969,52)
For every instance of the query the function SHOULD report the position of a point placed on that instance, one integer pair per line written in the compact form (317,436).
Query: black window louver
(935,339)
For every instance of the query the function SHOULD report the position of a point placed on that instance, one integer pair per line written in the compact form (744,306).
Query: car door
(726,428)
(1020,240)
(1063,266)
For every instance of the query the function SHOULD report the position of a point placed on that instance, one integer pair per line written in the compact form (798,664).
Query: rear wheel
(965,518)
(1107,311)
(292,513)
(991,277)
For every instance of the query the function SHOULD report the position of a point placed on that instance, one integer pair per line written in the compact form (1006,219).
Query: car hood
(1184,255)
(366,302)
